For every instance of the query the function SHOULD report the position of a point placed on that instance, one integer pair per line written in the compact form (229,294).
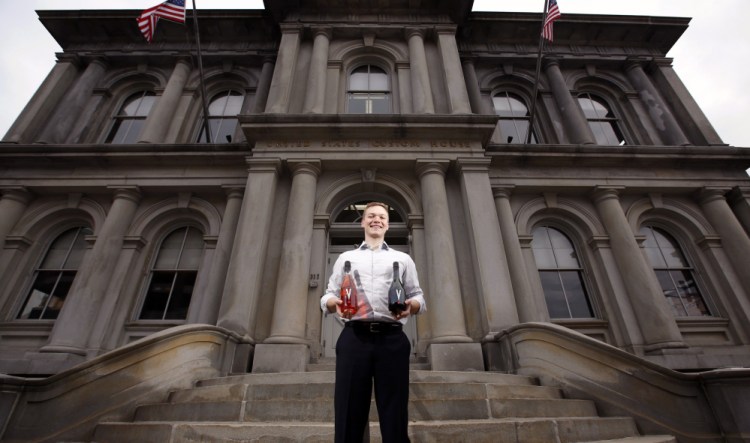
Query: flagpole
(206,126)
(530,129)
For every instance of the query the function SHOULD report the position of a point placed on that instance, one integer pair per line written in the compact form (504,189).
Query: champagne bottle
(396,297)
(348,293)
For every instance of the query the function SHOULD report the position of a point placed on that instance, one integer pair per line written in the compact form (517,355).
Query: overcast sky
(712,58)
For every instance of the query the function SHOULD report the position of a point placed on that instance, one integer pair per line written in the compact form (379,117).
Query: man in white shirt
(373,345)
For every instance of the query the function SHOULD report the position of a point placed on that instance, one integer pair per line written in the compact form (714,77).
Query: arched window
(173,275)
(129,120)
(674,273)
(55,274)
(561,274)
(602,120)
(369,91)
(514,118)
(222,117)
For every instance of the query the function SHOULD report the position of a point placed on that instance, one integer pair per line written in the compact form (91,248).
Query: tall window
(55,274)
(561,274)
(131,117)
(222,117)
(514,118)
(369,92)
(675,274)
(602,120)
(173,275)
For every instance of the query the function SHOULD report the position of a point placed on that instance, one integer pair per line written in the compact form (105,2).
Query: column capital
(415,221)
(305,166)
(709,194)
(132,193)
(436,166)
(469,59)
(290,28)
(502,191)
(738,194)
(412,31)
(325,31)
(233,191)
(601,193)
(255,165)
(550,62)
(17,193)
(446,29)
(321,221)
(470,164)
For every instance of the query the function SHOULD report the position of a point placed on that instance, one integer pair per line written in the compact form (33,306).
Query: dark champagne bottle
(348,293)
(396,297)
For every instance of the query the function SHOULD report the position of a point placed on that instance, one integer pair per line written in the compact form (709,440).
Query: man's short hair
(371,204)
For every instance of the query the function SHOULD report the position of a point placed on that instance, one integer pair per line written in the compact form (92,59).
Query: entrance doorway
(345,234)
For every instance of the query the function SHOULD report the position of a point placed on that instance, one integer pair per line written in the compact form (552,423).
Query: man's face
(375,221)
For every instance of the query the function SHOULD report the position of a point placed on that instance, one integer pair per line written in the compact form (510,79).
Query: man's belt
(374,327)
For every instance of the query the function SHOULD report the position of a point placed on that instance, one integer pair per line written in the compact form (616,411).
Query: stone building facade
(626,218)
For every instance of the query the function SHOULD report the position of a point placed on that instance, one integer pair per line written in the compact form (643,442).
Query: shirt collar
(384,246)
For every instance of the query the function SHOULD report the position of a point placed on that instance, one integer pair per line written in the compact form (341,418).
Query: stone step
(640,439)
(311,410)
(564,430)
(414,376)
(324,391)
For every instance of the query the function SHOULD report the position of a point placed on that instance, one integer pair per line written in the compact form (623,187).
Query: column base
(455,357)
(280,358)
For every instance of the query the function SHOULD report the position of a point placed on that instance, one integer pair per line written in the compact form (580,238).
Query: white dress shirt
(374,267)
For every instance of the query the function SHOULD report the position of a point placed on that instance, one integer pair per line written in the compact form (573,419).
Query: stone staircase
(449,407)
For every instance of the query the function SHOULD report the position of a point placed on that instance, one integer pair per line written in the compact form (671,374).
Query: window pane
(58,250)
(380,104)
(670,292)
(566,258)
(39,294)
(358,79)
(191,253)
(234,103)
(509,132)
(180,300)
(576,294)
(600,108)
(378,80)
(170,250)
(691,297)
(587,106)
(78,250)
(55,302)
(554,295)
(225,130)
(127,131)
(157,295)
(357,105)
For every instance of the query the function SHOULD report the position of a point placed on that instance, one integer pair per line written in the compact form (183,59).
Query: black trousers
(362,357)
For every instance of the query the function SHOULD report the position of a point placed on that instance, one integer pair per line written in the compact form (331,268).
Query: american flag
(553,13)
(173,10)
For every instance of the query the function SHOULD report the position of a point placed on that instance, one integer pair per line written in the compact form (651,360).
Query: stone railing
(710,406)
(68,405)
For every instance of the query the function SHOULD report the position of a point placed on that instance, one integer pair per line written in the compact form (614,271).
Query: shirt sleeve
(411,285)
(334,284)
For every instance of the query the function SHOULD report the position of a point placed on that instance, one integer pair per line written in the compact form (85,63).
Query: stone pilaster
(478,106)
(740,202)
(77,317)
(243,281)
(209,306)
(664,121)
(522,289)
(734,239)
(61,123)
(156,126)
(420,79)
(280,91)
(12,206)
(455,84)
(657,324)
(574,121)
(490,264)
(316,78)
(264,85)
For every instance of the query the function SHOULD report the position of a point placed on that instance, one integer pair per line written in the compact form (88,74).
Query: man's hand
(334,305)
(412,307)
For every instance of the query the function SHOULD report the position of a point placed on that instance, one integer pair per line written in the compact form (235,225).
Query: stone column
(81,309)
(734,239)
(478,106)
(657,324)
(315,96)
(209,307)
(244,277)
(58,127)
(455,84)
(740,202)
(12,206)
(283,75)
(156,126)
(491,266)
(264,84)
(574,121)
(522,289)
(420,78)
(664,122)
(450,348)
(286,348)
(47,96)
